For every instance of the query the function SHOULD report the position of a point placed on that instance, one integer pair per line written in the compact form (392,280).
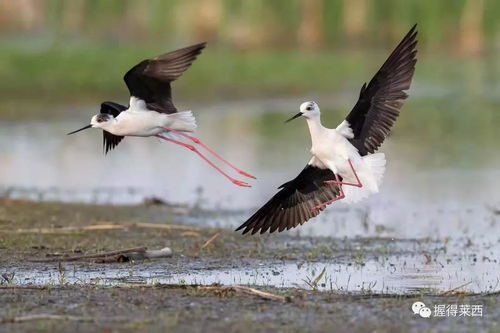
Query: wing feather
(110,141)
(150,79)
(293,204)
(381,100)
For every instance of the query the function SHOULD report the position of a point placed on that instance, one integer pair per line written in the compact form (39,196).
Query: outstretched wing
(110,141)
(380,101)
(293,204)
(150,79)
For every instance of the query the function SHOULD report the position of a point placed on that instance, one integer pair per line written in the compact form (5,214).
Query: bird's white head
(308,110)
(101,120)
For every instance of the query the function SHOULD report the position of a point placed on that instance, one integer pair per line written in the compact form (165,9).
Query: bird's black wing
(150,79)
(110,141)
(294,203)
(380,101)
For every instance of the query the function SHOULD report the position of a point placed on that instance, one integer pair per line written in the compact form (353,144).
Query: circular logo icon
(425,312)
(420,309)
(417,306)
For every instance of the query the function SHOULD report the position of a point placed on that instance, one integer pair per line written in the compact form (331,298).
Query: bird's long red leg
(340,197)
(192,148)
(342,183)
(198,141)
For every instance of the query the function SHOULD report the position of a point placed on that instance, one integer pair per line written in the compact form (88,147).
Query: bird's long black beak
(294,117)
(81,129)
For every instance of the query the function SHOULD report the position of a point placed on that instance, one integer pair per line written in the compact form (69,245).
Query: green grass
(76,75)
(98,69)
(72,75)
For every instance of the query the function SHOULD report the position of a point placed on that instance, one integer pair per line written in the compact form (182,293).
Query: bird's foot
(318,207)
(342,183)
(246,174)
(324,204)
(240,183)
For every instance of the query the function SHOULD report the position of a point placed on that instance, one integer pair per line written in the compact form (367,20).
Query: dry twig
(208,242)
(246,290)
(153,225)
(13,286)
(219,289)
(455,290)
(103,225)
(20,319)
(95,256)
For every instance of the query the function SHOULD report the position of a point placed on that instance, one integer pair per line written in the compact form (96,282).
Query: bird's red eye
(99,120)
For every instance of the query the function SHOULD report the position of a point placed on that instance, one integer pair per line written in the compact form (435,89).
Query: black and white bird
(151,111)
(344,163)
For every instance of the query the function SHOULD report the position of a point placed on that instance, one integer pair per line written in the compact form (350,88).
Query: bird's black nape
(112,108)
(110,141)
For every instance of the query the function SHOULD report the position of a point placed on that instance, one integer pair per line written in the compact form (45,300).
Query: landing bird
(344,164)
(151,111)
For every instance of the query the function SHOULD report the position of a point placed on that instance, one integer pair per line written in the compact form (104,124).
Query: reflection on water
(441,182)
(404,269)
(442,172)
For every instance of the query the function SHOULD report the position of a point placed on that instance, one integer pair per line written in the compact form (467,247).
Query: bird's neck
(315,128)
(111,126)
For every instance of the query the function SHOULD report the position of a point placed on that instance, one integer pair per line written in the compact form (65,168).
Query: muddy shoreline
(147,309)
(31,231)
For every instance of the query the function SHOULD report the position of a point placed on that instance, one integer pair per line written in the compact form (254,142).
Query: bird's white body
(348,151)
(137,120)
(151,111)
(331,149)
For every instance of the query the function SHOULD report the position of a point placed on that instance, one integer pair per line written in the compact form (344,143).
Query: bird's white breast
(139,123)
(333,149)
(137,120)
(332,145)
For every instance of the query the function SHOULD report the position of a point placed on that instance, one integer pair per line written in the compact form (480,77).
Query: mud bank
(345,284)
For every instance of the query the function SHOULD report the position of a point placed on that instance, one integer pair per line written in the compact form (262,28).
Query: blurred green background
(57,52)
(60,59)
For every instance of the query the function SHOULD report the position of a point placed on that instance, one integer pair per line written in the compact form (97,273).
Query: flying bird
(344,164)
(151,111)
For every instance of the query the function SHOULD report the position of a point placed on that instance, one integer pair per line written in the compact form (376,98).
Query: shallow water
(441,182)
(407,267)
(442,177)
